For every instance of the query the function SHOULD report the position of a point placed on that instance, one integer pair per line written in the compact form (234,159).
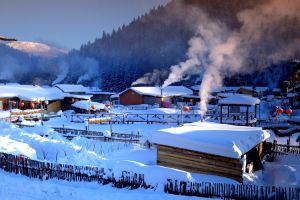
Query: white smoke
(258,25)
(63,67)
(152,78)
(92,70)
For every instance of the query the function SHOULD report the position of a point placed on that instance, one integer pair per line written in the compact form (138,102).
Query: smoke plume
(17,66)
(152,78)
(64,69)
(261,28)
(269,30)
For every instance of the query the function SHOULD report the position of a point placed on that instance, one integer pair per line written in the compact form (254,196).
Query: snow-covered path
(22,188)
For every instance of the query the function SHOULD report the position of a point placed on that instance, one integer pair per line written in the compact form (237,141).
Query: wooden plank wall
(197,162)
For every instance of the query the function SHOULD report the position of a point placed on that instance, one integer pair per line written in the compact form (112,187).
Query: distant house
(72,94)
(209,148)
(99,95)
(153,95)
(16,96)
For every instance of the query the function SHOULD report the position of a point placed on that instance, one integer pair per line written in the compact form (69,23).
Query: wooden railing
(140,118)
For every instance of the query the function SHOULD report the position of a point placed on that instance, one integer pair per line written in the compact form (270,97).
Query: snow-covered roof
(86,105)
(292,94)
(101,92)
(276,90)
(212,138)
(72,88)
(165,91)
(115,96)
(238,99)
(30,92)
(79,96)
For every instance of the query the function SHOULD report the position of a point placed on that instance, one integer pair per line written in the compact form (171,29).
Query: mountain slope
(37,49)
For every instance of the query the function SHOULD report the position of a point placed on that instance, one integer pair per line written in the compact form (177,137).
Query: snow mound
(16,148)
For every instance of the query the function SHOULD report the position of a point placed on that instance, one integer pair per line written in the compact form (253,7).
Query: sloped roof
(161,92)
(30,92)
(238,99)
(72,88)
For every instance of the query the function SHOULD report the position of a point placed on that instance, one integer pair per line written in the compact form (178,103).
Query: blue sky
(67,23)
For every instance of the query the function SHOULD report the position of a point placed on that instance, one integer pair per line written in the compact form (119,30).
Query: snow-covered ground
(110,155)
(29,141)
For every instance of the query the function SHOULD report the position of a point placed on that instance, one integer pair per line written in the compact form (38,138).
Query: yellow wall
(54,106)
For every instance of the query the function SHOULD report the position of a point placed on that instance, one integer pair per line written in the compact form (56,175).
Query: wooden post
(228,111)
(247,116)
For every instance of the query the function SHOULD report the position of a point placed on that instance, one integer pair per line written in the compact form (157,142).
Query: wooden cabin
(152,95)
(210,148)
(16,96)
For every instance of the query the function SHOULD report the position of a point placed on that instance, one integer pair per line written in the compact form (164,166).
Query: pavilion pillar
(221,114)
(247,116)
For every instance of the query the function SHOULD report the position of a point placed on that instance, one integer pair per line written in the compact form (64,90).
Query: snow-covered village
(175,99)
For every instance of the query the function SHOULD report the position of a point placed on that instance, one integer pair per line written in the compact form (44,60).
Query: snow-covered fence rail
(140,118)
(114,137)
(47,170)
(231,191)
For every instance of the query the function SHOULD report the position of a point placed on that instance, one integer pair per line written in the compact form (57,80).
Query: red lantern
(31,105)
(185,109)
(14,103)
(279,110)
(22,104)
(289,112)
(107,105)
(93,107)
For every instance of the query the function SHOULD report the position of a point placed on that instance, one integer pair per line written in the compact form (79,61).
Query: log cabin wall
(131,97)
(198,162)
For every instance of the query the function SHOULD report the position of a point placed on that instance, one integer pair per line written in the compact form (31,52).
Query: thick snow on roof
(79,96)
(238,99)
(86,105)
(72,88)
(30,92)
(166,91)
(212,138)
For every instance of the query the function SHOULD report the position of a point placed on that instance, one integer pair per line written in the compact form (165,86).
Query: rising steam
(153,78)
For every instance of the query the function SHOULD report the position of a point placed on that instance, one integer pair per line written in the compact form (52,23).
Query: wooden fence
(283,149)
(231,191)
(114,137)
(47,170)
